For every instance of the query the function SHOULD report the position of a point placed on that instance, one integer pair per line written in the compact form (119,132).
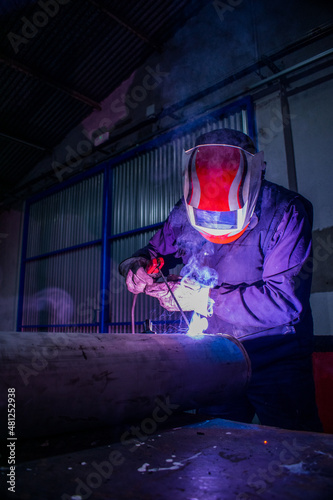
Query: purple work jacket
(263,279)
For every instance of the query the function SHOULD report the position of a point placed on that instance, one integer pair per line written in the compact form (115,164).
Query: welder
(246,248)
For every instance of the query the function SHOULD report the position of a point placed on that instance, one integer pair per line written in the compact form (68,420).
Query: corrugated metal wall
(65,238)
(63,266)
(67,218)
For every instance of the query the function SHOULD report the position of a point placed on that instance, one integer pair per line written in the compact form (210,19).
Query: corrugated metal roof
(78,46)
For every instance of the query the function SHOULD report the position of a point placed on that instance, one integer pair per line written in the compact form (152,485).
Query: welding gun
(154,268)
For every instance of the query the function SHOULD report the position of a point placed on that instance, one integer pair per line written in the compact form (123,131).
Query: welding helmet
(222,179)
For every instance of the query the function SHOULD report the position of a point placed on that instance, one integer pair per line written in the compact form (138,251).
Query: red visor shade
(216,177)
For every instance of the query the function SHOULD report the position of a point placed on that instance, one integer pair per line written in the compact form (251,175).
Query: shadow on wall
(49,306)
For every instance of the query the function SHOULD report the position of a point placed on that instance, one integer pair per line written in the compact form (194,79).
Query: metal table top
(196,460)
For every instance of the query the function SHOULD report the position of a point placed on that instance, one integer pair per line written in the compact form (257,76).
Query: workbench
(189,457)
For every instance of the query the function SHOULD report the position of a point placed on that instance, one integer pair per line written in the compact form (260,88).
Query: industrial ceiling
(58,60)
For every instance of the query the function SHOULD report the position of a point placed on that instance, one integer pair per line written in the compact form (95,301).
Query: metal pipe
(69,382)
(295,67)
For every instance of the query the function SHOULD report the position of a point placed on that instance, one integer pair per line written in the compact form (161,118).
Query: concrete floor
(189,458)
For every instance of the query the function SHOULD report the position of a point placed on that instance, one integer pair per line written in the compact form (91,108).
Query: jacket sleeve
(283,294)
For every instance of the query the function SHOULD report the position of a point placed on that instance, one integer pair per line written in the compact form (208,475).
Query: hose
(132,313)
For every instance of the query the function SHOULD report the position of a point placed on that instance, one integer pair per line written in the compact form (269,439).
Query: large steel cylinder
(65,382)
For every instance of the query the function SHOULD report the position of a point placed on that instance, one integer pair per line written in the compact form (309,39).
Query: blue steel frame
(107,238)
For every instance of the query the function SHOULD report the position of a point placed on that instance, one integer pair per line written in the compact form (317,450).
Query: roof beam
(123,23)
(22,141)
(48,81)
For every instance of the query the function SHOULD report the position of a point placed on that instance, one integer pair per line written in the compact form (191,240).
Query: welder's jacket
(264,277)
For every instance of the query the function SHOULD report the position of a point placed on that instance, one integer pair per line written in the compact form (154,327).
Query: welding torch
(154,267)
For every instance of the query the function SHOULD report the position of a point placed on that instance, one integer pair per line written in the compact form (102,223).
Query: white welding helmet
(222,179)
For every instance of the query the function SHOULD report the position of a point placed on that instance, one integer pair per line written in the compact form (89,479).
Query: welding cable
(132,313)
(152,269)
(176,301)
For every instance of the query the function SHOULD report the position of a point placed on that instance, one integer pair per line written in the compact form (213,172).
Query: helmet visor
(215,220)
(221,187)
(216,177)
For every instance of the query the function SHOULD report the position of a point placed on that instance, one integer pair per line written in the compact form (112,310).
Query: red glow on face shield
(216,168)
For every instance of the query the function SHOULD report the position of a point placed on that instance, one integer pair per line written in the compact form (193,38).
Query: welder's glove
(133,269)
(190,295)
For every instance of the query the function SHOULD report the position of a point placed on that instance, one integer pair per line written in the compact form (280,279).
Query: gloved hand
(133,269)
(190,295)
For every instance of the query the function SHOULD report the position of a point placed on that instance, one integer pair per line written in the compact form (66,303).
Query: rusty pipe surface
(65,382)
